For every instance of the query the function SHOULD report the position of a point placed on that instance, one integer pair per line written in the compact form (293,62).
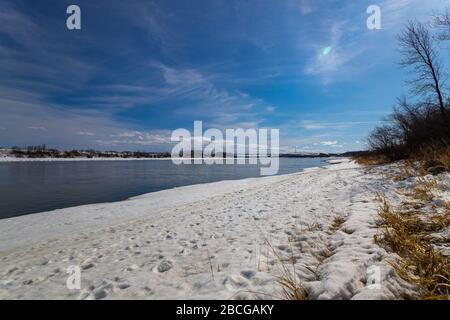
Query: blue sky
(139,69)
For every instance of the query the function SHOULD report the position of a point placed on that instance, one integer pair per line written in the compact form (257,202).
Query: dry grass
(370,159)
(337,224)
(436,154)
(423,190)
(444,158)
(408,230)
(420,264)
(408,169)
(292,287)
(314,226)
(323,254)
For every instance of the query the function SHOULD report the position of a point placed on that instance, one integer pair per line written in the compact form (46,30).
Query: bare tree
(419,53)
(425,122)
(387,140)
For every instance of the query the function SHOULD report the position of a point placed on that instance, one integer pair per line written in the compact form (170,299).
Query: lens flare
(326,51)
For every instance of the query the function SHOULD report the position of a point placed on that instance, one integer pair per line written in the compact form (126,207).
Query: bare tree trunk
(439,94)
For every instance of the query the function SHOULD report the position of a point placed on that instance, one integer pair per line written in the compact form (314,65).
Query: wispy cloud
(149,67)
(37,128)
(313,125)
(138,138)
(333,55)
(350,42)
(85,133)
(328,143)
(32,53)
(42,71)
(306,6)
(63,127)
(396,13)
(203,98)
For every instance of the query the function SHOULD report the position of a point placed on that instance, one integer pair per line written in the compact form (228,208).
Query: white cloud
(37,128)
(394,14)
(146,139)
(328,143)
(139,137)
(314,125)
(66,127)
(206,100)
(84,133)
(309,125)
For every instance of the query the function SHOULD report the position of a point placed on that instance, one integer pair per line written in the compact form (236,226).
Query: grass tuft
(421,263)
(292,286)
(337,224)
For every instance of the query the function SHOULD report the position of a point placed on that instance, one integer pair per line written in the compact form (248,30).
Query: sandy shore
(206,241)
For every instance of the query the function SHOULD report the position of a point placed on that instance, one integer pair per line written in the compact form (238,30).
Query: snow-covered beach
(222,240)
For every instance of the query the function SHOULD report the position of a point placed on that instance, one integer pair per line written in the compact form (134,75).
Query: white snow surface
(207,241)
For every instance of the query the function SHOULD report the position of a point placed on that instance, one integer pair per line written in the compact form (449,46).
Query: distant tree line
(420,123)
(41,151)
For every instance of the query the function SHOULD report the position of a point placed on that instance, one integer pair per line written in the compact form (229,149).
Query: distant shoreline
(49,159)
(15,159)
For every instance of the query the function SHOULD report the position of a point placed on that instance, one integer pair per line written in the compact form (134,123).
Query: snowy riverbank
(207,241)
